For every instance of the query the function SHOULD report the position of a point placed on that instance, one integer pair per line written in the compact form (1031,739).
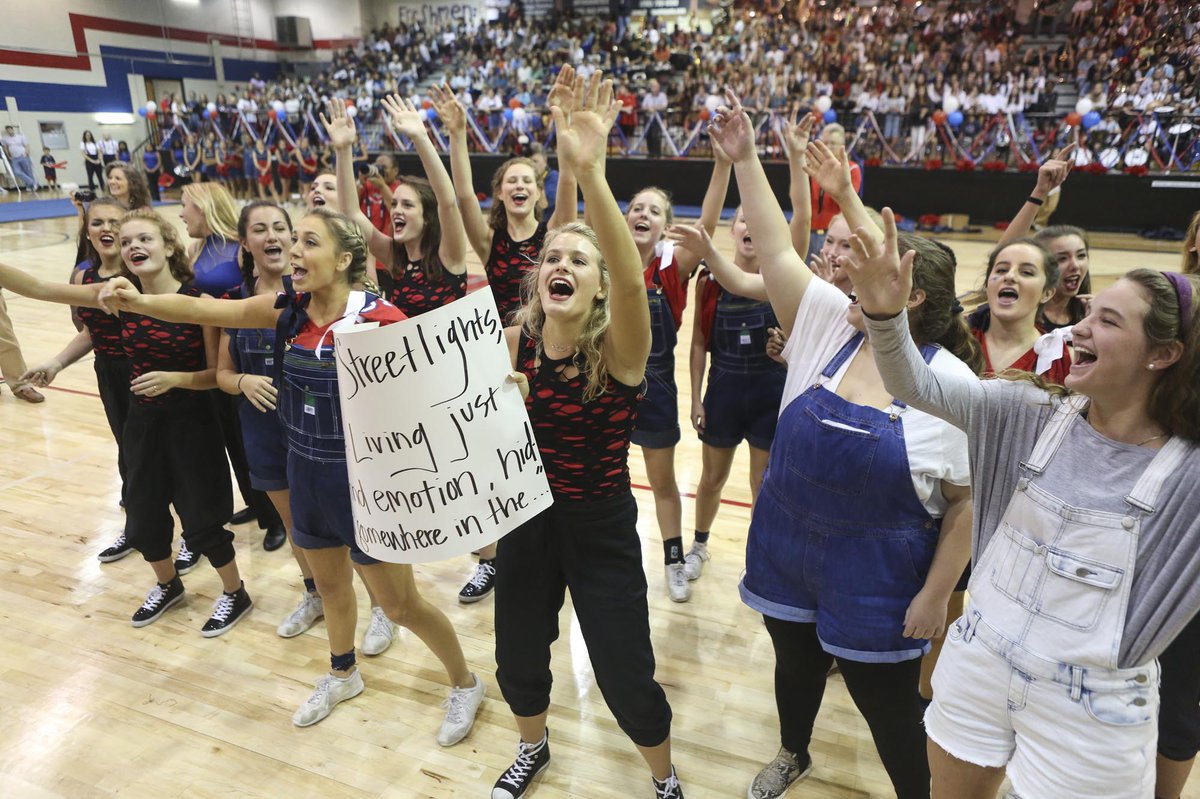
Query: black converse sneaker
(668,788)
(531,761)
(116,550)
(482,582)
(160,598)
(187,559)
(227,611)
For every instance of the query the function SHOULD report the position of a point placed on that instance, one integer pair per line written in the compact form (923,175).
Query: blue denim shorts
(265,440)
(658,413)
(320,500)
(740,406)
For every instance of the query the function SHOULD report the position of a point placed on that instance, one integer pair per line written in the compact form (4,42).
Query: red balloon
(1074,118)
(349,103)
(151,115)
(514,103)
(705,114)
(271,113)
(427,103)
(939,117)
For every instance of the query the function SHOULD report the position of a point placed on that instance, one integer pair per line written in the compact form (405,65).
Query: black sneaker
(668,788)
(482,583)
(243,516)
(228,610)
(116,550)
(276,536)
(531,761)
(160,598)
(187,559)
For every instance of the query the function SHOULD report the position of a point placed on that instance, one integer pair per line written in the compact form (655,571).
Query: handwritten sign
(440,451)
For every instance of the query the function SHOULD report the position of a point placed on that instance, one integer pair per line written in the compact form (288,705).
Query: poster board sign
(441,455)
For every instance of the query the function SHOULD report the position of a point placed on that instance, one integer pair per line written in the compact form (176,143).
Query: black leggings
(1179,713)
(95,174)
(112,381)
(885,693)
(591,547)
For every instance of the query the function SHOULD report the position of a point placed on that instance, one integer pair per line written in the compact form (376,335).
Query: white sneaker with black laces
(187,559)
(531,761)
(461,707)
(693,561)
(677,582)
(306,614)
(380,633)
(482,583)
(330,690)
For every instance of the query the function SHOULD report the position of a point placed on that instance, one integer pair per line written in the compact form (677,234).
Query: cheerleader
(582,340)
(508,242)
(328,259)
(171,438)
(839,573)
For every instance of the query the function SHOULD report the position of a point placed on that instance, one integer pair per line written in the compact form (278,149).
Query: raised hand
(693,238)
(796,136)
(1053,173)
(449,110)
(583,138)
(823,267)
(732,130)
(405,117)
(882,278)
(831,172)
(566,91)
(339,126)
(719,155)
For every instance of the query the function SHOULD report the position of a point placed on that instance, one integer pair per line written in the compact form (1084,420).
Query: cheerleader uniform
(508,263)
(414,293)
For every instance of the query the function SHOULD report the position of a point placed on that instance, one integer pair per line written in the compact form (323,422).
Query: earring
(1150,366)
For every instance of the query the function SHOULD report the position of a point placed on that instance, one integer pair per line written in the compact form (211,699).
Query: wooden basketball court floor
(90,706)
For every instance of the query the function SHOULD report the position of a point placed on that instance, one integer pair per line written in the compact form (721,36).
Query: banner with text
(440,450)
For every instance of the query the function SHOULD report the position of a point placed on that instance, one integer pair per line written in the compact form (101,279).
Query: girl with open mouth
(171,438)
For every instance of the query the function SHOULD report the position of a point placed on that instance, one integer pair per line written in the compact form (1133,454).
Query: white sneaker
(461,707)
(693,561)
(306,614)
(330,691)
(677,583)
(380,633)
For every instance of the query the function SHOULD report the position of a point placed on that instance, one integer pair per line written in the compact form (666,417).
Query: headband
(1183,291)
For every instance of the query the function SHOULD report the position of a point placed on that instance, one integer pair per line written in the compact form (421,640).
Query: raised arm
(582,143)
(342,135)
(832,173)
(454,120)
(795,139)
(407,121)
(710,212)
(564,93)
(782,269)
(1051,175)
(119,294)
(695,241)
(25,284)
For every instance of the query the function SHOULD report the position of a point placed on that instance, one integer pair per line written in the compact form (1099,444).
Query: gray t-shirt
(1003,419)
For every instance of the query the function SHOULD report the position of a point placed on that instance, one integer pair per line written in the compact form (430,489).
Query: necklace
(546,345)
(1152,438)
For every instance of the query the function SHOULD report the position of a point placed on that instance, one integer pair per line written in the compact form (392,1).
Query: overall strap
(1053,434)
(288,325)
(848,349)
(1167,461)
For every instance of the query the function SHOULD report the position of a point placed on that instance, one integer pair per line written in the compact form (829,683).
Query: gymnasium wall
(67,60)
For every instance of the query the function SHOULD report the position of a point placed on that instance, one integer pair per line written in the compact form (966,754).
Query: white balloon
(212,106)
(423,113)
(351,111)
(823,104)
(277,105)
(1084,106)
(518,114)
(950,104)
(150,106)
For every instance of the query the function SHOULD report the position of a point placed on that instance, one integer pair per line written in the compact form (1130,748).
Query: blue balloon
(206,113)
(830,115)
(142,111)
(1091,119)
(431,113)
(955,118)
(508,114)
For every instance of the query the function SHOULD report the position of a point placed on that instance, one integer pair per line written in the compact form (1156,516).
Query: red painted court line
(689,495)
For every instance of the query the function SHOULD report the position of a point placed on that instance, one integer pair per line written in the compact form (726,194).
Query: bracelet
(1034,200)
(239,383)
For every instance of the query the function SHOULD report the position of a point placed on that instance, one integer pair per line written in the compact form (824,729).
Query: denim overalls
(838,536)
(1048,602)
(263,434)
(658,415)
(310,408)
(745,385)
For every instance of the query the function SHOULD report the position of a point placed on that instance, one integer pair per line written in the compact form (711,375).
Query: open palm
(882,278)
(732,130)
(449,110)
(830,171)
(583,137)
(405,117)
(566,90)
(796,136)
(338,125)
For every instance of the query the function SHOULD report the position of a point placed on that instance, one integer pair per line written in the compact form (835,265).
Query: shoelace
(455,705)
(306,605)
(521,766)
(323,685)
(483,572)
(223,607)
(184,552)
(380,625)
(153,598)
(668,787)
(120,542)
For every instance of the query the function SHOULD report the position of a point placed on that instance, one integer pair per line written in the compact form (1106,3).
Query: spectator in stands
(654,102)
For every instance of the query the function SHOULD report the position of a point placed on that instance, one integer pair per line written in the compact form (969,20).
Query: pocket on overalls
(662,328)
(1077,589)
(1018,569)
(1127,707)
(312,409)
(831,453)
(742,333)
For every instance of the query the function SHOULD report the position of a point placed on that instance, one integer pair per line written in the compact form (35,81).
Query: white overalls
(1029,677)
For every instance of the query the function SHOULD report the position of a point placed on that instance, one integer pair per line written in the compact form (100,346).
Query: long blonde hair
(217,206)
(532,316)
